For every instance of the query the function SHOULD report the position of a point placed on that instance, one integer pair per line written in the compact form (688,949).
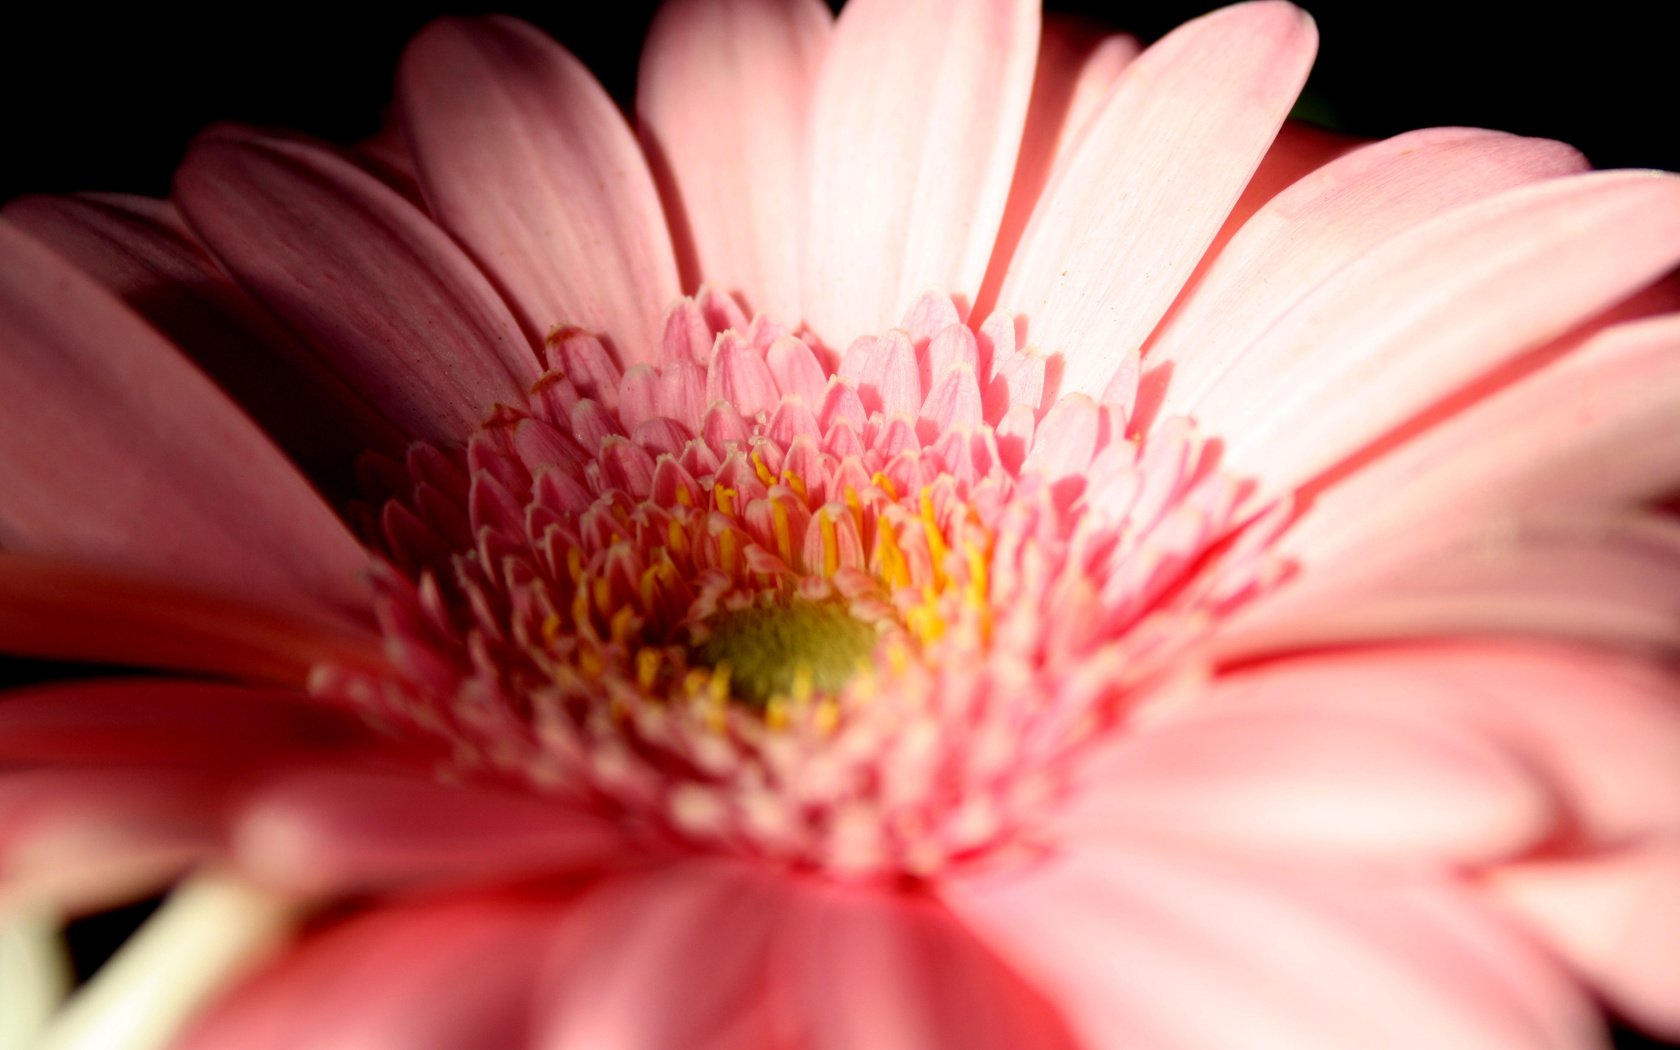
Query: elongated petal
(78,840)
(69,611)
(1608,761)
(1433,309)
(914,130)
(1615,918)
(1077,64)
(896,971)
(1330,784)
(1184,127)
(139,249)
(1593,430)
(116,451)
(171,725)
(1326,221)
(1599,579)
(721,99)
(698,934)
(526,161)
(434,975)
(332,831)
(382,294)
(1145,946)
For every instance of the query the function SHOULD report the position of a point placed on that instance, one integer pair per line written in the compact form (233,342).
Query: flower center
(784,650)
(847,614)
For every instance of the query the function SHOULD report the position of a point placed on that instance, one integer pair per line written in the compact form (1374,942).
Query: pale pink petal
(1594,429)
(914,128)
(138,248)
(78,840)
(896,971)
(527,162)
(1187,123)
(1145,946)
(117,451)
(1433,309)
(1077,64)
(434,975)
(332,831)
(384,296)
(1325,782)
(1323,222)
(1601,729)
(678,957)
(62,610)
(721,99)
(1600,579)
(1615,919)
(137,777)
(1298,150)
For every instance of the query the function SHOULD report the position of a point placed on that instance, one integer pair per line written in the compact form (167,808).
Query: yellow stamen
(830,542)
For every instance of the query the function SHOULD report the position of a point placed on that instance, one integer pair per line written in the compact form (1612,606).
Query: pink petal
(1615,919)
(1323,222)
(79,840)
(1431,310)
(526,161)
(116,451)
(69,611)
(894,970)
(1066,438)
(332,831)
(914,128)
(739,376)
(1609,762)
(1077,64)
(1595,429)
(139,250)
(1312,781)
(1145,946)
(435,975)
(1586,578)
(170,725)
(678,957)
(1187,123)
(383,295)
(721,99)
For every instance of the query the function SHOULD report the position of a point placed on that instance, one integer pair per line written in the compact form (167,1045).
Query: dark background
(109,101)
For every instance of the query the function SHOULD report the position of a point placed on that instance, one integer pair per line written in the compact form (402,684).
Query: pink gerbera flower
(964,534)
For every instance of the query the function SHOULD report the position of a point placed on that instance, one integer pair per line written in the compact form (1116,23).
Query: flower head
(997,543)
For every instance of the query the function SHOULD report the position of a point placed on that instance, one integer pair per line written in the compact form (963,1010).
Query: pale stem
(34,974)
(213,929)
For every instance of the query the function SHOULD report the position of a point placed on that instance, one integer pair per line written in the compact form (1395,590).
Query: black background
(109,101)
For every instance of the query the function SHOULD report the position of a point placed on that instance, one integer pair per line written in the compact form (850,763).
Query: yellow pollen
(830,542)
(648,663)
(779,524)
(935,539)
(761,470)
(724,497)
(794,482)
(623,624)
